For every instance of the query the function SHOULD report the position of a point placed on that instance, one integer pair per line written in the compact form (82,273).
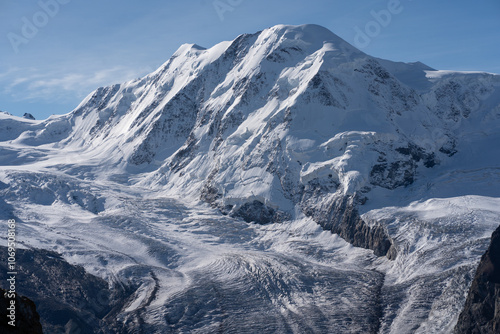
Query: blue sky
(52,58)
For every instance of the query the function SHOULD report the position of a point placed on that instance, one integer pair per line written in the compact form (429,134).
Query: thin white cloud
(9,72)
(58,85)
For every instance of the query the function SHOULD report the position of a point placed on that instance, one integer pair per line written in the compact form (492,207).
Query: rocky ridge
(481,313)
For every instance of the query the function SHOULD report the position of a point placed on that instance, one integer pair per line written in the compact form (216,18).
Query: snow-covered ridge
(271,116)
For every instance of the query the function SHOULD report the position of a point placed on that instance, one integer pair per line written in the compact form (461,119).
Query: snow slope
(154,183)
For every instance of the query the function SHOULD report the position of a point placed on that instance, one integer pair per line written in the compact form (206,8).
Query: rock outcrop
(481,313)
(27,319)
(68,299)
(29,116)
(342,217)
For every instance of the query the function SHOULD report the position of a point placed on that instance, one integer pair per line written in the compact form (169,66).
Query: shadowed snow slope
(154,184)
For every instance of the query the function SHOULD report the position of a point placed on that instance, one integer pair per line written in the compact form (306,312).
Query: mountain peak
(310,38)
(188,47)
(306,32)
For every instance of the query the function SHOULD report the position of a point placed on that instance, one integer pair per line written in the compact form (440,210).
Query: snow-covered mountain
(155,184)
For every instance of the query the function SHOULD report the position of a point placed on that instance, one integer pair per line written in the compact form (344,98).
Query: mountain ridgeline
(285,121)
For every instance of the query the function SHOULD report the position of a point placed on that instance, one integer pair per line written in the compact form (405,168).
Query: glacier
(282,182)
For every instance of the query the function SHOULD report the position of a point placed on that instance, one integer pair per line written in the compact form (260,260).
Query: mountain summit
(290,119)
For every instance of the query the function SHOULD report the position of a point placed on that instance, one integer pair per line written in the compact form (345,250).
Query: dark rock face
(401,173)
(66,296)
(393,175)
(342,218)
(481,313)
(259,213)
(29,116)
(27,318)
(256,212)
